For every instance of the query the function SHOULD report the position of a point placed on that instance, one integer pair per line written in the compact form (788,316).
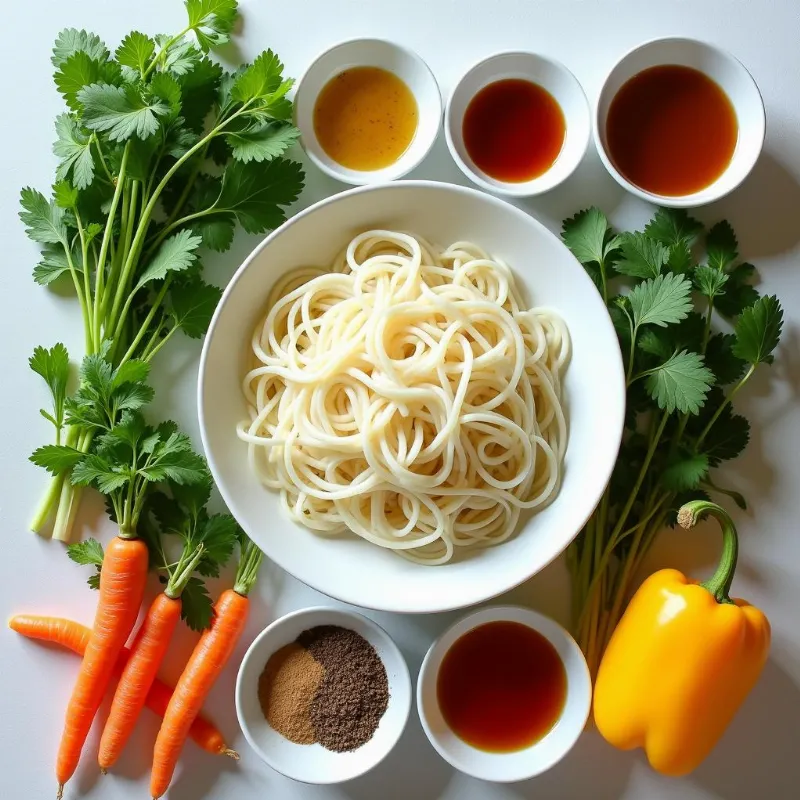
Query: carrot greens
(692,333)
(161,153)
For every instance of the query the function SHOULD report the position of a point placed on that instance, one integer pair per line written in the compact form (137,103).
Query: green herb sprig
(681,376)
(161,152)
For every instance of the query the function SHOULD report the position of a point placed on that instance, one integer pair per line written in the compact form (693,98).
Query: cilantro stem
(144,222)
(107,237)
(154,308)
(87,327)
(148,356)
(726,401)
(85,261)
(182,221)
(160,54)
(103,162)
(247,571)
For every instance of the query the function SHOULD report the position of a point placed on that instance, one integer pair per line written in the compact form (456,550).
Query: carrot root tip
(103,771)
(60,792)
(230,753)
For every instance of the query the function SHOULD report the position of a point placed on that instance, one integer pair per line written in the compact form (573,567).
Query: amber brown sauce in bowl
(679,122)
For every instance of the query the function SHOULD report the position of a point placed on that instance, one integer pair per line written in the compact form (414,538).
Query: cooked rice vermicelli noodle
(406,394)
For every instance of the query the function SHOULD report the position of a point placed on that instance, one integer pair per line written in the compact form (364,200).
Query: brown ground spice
(286,690)
(354,692)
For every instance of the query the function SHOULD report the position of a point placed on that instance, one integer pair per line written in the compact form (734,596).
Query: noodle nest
(407,395)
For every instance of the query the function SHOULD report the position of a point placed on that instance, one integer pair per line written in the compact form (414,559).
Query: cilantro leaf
(71,41)
(642,257)
(132,396)
(680,258)
(216,231)
(53,366)
(121,112)
(709,281)
(193,305)
(264,142)
(255,192)
(720,359)
(685,472)
(65,195)
(193,496)
(85,553)
(212,21)
(95,470)
(758,331)
(218,536)
(166,88)
(133,371)
(727,438)
(174,460)
(78,71)
(135,51)
(662,301)
(56,458)
(74,148)
(680,383)
(260,79)
(53,265)
(739,294)
(177,253)
(181,56)
(721,246)
(672,225)
(89,552)
(589,236)
(196,607)
(655,342)
(199,88)
(43,220)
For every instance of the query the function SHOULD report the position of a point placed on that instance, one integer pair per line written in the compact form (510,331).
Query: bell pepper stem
(719,584)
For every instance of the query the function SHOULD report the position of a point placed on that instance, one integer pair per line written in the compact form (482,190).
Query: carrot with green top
(126,459)
(121,590)
(74,636)
(203,668)
(207,545)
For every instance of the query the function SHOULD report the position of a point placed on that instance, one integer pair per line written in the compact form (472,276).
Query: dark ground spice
(354,692)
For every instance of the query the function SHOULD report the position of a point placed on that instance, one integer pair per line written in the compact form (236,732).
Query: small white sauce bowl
(550,75)
(540,756)
(401,61)
(312,763)
(723,68)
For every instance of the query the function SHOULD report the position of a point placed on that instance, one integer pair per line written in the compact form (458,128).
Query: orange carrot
(122,581)
(147,653)
(75,637)
(203,668)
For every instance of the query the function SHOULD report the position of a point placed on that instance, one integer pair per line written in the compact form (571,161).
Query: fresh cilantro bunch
(667,289)
(161,152)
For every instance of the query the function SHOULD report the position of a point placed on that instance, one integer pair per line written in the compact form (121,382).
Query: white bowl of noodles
(426,413)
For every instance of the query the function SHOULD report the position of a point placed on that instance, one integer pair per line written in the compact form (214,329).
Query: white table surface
(759,756)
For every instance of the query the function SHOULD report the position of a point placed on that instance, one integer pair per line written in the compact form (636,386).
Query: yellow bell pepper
(681,661)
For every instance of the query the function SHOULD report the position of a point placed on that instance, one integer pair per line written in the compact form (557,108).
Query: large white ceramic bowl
(349,568)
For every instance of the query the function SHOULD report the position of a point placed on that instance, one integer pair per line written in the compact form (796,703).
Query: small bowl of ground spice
(323,695)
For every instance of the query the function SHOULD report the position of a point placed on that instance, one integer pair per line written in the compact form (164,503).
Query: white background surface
(758,758)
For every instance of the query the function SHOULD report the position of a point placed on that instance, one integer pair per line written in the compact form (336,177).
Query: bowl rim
(403,677)
(689,200)
(525,188)
(349,596)
(578,681)
(400,167)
